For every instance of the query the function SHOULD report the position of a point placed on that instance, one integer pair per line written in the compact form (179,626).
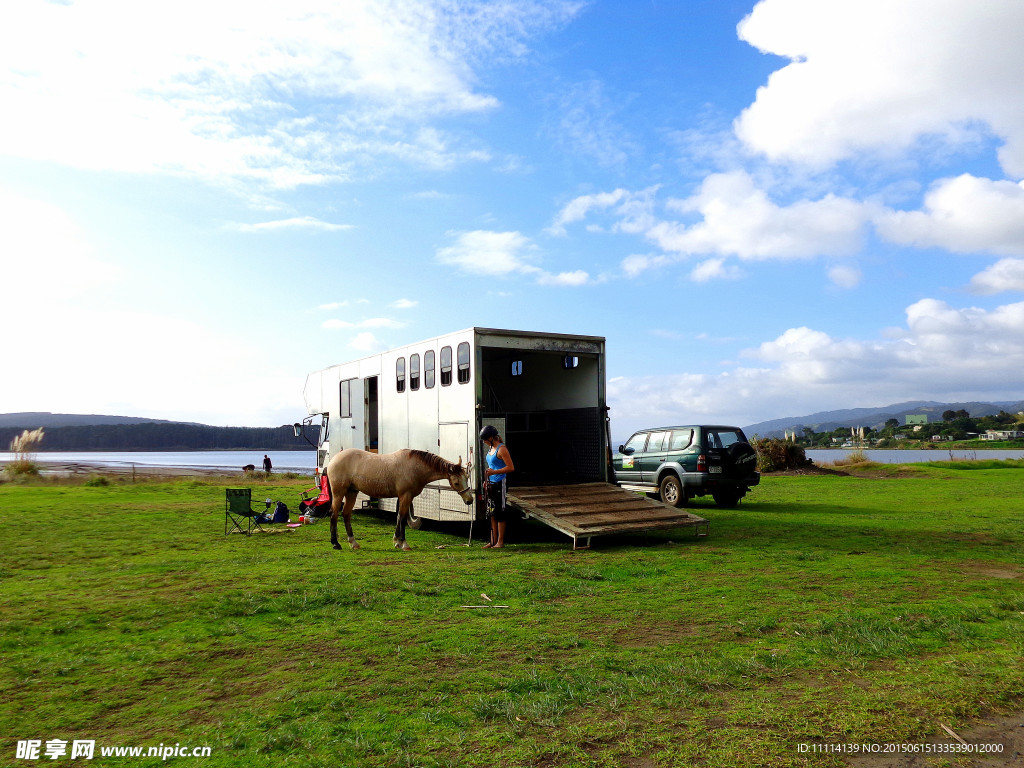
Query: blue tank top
(494,462)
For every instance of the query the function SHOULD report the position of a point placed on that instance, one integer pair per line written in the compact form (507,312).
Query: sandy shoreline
(81,469)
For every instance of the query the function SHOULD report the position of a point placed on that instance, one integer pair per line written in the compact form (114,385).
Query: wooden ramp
(599,509)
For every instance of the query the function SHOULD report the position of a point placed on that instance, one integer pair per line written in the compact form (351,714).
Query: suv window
(681,439)
(636,443)
(657,442)
(723,438)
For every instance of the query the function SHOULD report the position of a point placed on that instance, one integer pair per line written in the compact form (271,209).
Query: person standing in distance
(499,465)
(267,466)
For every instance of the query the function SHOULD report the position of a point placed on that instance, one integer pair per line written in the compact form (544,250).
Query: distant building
(1002,434)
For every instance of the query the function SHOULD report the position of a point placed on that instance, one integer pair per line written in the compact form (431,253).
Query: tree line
(955,425)
(166,437)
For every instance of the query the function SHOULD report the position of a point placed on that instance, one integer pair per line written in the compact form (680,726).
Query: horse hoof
(405,547)
(337,546)
(354,546)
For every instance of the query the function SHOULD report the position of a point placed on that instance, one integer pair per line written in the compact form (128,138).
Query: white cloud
(845,276)
(942,353)
(279,94)
(714,269)
(367,342)
(587,125)
(728,216)
(1004,275)
(576,277)
(404,303)
(964,214)
(482,252)
(299,222)
(503,254)
(878,75)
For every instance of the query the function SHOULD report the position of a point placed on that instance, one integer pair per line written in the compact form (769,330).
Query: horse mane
(435,462)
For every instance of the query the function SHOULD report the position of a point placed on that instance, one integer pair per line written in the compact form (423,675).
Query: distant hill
(79,432)
(826,421)
(36,419)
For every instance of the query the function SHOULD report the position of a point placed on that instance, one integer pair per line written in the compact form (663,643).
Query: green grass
(825,608)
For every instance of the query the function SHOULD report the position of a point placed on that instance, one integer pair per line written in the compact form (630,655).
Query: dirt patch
(811,469)
(991,570)
(1002,732)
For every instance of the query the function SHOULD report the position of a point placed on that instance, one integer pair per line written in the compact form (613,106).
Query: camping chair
(238,505)
(319,506)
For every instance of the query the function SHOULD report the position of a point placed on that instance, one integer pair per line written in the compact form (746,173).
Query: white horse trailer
(545,393)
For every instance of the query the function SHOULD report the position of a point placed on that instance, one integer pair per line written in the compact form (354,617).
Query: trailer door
(454,444)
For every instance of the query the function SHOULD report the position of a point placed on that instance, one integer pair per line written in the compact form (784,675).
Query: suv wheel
(671,491)
(727,499)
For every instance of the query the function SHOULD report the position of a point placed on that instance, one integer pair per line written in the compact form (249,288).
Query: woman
(499,465)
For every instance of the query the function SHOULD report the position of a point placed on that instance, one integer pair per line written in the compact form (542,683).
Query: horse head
(460,482)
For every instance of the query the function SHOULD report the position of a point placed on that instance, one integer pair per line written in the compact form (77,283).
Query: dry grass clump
(24,447)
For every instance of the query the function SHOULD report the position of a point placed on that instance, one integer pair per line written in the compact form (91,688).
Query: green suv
(678,463)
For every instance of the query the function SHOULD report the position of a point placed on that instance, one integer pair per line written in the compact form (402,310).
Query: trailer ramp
(585,510)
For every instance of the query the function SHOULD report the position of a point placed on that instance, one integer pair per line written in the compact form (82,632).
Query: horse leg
(335,508)
(350,502)
(404,503)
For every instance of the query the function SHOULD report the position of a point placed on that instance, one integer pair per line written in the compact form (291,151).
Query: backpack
(281,513)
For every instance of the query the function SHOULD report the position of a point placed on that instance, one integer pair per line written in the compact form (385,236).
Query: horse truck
(545,394)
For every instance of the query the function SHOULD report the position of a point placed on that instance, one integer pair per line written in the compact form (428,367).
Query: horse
(401,474)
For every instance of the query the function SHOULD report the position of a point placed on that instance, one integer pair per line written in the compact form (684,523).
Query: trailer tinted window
(446,366)
(517,367)
(463,362)
(570,361)
(414,372)
(400,374)
(346,398)
(428,369)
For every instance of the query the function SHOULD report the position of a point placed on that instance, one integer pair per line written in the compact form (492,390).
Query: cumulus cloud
(367,342)
(502,254)
(1004,275)
(942,353)
(728,216)
(878,75)
(280,94)
(964,214)
(404,303)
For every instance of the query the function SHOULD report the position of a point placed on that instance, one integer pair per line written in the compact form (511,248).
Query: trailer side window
(446,366)
(400,374)
(464,362)
(570,361)
(517,367)
(345,392)
(414,372)
(428,369)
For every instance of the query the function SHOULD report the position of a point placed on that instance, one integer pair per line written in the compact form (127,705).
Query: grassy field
(825,609)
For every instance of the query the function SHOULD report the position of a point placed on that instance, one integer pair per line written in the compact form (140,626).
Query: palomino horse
(401,474)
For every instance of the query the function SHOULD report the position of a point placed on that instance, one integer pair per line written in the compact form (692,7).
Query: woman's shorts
(496,504)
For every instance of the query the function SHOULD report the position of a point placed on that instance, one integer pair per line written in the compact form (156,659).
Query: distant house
(941,438)
(1002,434)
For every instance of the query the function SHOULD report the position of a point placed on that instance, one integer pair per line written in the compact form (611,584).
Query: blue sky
(768,209)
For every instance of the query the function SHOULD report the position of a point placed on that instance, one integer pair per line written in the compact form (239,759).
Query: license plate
(715,470)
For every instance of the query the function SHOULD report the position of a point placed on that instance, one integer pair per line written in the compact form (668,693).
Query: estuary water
(305,461)
(283,461)
(911,456)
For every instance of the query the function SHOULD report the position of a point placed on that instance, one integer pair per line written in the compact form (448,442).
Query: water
(911,456)
(283,461)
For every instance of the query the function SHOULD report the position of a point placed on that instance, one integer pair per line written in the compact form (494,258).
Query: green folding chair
(238,512)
